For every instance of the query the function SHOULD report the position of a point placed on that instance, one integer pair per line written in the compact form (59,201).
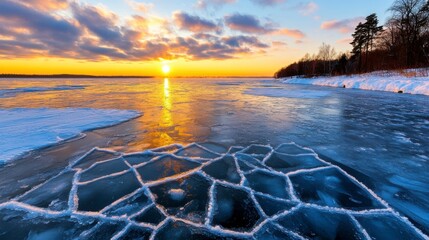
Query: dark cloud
(214,47)
(251,24)
(33,30)
(194,23)
(103,51)
(101,23)
(239,41)
(245,23)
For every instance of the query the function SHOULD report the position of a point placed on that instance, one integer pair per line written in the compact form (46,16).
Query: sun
(166,69)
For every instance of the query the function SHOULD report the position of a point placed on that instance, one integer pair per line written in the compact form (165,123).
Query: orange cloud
(139,6)
(278,44)
(293,33)
(47,5)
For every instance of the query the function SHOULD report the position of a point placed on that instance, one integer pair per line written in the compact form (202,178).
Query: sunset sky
(193,37)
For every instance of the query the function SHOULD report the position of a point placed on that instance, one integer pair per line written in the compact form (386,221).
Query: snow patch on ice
(23,130)
(370,81)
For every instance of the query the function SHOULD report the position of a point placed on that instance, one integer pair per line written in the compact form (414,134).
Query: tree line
(403,42)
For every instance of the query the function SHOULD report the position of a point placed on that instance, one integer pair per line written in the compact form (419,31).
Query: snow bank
(23,130)
(372,81)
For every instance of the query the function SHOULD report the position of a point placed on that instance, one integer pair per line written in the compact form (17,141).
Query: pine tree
(363,38)
(371,29)
(358,44)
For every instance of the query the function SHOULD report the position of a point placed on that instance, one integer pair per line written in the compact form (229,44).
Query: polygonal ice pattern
(203,191)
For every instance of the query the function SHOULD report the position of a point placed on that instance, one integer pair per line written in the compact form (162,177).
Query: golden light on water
(167,120)
(166,89)
(166,104)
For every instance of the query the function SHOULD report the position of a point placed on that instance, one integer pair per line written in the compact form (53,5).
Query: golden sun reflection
(166,120)
(167,90)
(166,104)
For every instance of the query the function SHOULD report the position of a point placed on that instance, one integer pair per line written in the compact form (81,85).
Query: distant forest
(403,42)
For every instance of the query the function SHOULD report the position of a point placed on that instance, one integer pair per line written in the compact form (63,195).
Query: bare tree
(326,54)
(410,18)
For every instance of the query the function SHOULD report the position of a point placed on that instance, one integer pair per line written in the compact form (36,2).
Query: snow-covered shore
(23,129)
(379,81)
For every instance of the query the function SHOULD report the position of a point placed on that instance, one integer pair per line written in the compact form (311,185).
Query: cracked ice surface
(194,192)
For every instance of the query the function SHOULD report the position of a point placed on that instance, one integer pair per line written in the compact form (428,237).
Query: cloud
(279,44)
(342,26)
(54,33)
(104,25)
(139,6)
(307,8)
(268,2)
(251,24)
(246,23)
(194,23)
(95,33)
(139,23)
(204,4)
(239,41)
(207,46)
(46,5)
(293,33)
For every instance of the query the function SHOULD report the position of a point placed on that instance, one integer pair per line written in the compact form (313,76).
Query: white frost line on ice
(23,130)
(207,224)
(379,81)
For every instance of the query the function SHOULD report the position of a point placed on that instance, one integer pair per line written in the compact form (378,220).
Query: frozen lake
(378,137)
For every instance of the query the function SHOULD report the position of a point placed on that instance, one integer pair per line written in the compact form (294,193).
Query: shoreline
(375,81)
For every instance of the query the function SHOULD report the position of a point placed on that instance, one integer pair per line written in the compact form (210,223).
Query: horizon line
(65,75)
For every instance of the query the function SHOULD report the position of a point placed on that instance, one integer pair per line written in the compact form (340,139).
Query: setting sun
(166,69)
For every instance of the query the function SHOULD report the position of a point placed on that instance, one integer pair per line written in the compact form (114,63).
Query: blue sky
(289,14)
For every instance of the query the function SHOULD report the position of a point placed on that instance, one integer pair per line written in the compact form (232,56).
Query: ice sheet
(280,92)
(186,198)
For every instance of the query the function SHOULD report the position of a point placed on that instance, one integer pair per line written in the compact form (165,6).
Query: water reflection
(166,117)
(166,120)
